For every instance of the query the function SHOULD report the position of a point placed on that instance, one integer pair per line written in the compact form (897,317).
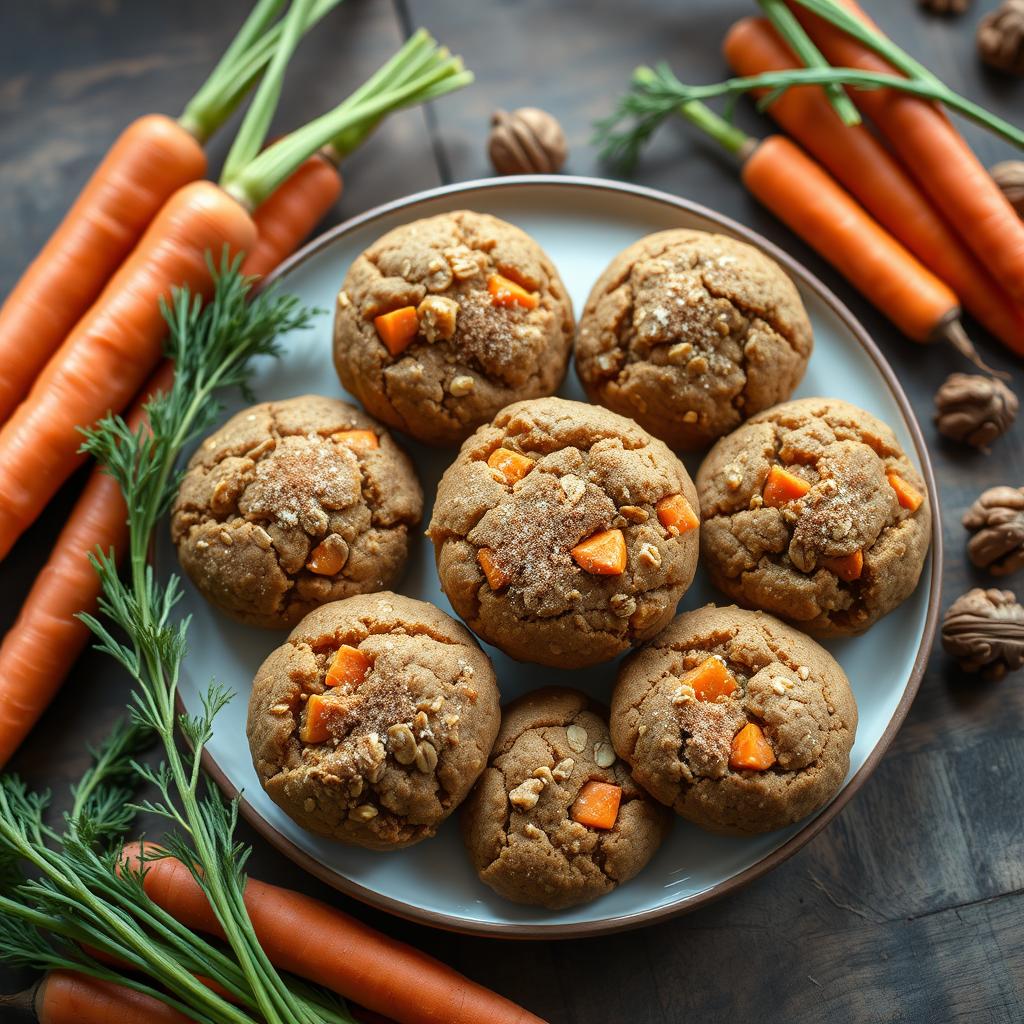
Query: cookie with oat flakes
(564,533)
(442,322)
(292,504)
(371,723)
(556,820)
(689,333)
(735,720)
(813,512)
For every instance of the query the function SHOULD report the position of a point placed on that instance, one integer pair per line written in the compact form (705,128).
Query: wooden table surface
(909,906)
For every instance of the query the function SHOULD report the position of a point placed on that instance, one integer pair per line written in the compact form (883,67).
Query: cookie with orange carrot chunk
(737,721)
(372,722)
(813,512)
(689,333)
(556,820)
(442,322)
(292,504)
(565,533)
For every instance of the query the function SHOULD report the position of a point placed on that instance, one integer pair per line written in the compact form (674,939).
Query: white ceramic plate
(582,224)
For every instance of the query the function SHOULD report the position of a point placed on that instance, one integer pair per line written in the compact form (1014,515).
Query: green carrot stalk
(801,44)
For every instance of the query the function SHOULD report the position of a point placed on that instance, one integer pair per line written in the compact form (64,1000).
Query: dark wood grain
(910,906)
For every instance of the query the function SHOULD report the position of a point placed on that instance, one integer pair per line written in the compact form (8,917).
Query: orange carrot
(151,159)
(710,679)
(906,494)
(320,714)
(39,649)
(112,349)
(294,208)
(308,938)
(847,567)
(855,157)
(750,749)
(349,667)
(66,997)
(597,804)
(675,514)
(359,440)
(397,328)
(803,195)
(507,293)
(781,487)
(602,554)
(935,154)
(496,579)
(509,465)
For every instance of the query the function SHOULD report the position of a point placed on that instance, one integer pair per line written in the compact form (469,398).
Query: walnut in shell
(1000,37)
(984,631)
(974,409)
(527,141)
(996,521)
(1009,176)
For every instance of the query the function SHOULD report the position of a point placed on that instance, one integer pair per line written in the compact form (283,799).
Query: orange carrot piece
(150,160)
(597,805)
(848,567)
(862,164)
(781,487)
(603,554)
(325,560)
(308,938)
(906,494)
(496,579)
(507,293)
(287,216)
(751,750)
(675,513)
(397,328)
(113,348)
(710,679)
(67,997)
(936,155)
(349,667)
(806,198)
(359,440)
(321,713)
(511,465)
(39,650)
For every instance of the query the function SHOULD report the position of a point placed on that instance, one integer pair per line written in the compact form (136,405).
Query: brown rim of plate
(528,930)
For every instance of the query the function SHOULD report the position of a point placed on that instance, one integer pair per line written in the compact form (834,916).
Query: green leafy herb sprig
(64,890)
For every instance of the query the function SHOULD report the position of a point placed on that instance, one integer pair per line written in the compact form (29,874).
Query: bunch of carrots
(82,330)
(908,215)
(81,335)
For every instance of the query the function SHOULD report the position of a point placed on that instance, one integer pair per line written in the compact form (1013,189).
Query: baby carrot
(935,154)
(856,158)
(39,650)
(325,946)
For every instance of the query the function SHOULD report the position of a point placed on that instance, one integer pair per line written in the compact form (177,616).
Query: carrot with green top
(923,138)
(148,162)
(105,360)
(862,164)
